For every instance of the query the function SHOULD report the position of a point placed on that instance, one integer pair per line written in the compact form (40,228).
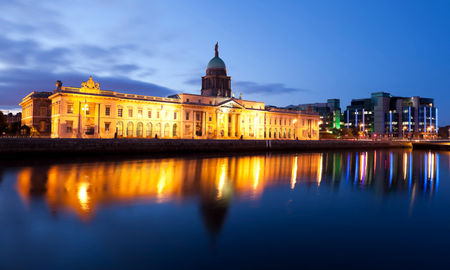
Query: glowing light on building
(431,116)
(390,121)
(424,119)
(409,119)
(363,121)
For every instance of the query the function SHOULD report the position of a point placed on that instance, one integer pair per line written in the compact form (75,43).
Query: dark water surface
(373,209)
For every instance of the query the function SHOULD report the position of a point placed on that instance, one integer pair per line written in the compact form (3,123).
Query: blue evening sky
(280,52)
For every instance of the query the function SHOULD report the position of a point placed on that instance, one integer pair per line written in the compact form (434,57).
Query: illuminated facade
(385,114)
(90,112)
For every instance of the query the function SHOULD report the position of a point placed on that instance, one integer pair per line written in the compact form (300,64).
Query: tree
(2,123)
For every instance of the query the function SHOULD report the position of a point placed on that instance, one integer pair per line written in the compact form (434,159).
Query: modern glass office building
(384,114)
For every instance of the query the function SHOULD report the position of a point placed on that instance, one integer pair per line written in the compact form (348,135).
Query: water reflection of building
(82,187)
(384,171)
(216,181)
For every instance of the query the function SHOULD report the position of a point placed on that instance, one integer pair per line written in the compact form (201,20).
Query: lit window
(70,108)
(149,114)
(157,115)
(69,126)
(139,113)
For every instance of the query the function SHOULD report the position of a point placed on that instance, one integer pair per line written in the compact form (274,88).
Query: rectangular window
(187,100)
(43,111)
(197,116)
(157,115)
(69,126)
(119,112)
(130,112)
(70,108)
(210,118)
(149,114)
(175,115)
(187,116)
(199,101)
(107,125)
(108,110)
(139,113)
(210,102)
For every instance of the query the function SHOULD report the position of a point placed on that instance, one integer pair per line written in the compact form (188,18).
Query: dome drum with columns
(216,83)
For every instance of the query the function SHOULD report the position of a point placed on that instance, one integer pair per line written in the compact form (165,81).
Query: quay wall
(41,146)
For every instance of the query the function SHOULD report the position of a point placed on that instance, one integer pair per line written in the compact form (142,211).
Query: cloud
(261,88)
(17,83)
(194,81)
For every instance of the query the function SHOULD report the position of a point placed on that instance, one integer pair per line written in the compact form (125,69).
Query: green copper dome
(216,62)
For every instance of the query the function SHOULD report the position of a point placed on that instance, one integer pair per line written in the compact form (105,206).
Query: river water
(379,209)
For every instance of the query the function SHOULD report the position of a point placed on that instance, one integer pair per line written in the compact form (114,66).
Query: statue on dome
(217,49)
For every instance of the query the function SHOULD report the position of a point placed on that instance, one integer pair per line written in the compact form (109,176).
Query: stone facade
(90,112)
(36,112)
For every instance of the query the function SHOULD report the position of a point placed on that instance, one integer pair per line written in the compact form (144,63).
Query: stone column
(238,119)
(233,125)
(225,128)
(217,125)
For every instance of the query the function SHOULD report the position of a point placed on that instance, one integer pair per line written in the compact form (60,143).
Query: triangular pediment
(231,103)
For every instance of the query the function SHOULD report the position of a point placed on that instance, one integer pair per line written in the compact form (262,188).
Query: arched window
(119,128)
(130,127)
(275,134)
(158,130)
(140,129)
(175,133)
(149,129)
(270,133)
(284,134)
(166,130)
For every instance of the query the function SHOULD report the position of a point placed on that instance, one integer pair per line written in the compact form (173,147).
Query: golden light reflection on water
(83,187)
